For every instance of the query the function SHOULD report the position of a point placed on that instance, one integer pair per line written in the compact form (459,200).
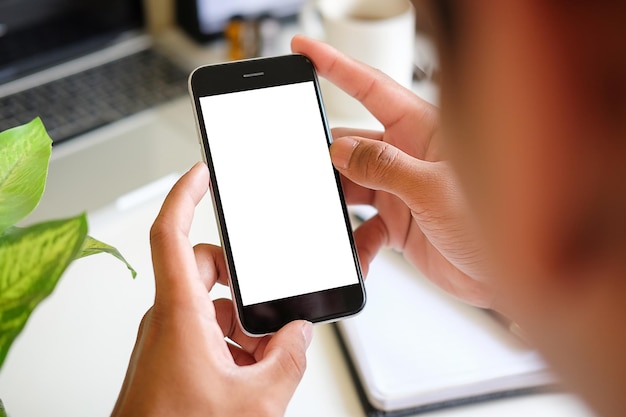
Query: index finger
(175,269)
(387,100)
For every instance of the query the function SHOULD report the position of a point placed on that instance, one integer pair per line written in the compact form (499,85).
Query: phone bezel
(322,306)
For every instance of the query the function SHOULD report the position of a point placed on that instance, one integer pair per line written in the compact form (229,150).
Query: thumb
(378,165)
(285,354)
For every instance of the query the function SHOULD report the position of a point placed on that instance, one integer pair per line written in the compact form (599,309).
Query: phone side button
(202,153)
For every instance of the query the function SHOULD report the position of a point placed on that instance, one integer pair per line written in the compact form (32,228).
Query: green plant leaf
(3,412)
(93,247)
(23,169)
(32,260)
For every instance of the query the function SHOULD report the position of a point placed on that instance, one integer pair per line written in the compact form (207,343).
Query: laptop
(114,103)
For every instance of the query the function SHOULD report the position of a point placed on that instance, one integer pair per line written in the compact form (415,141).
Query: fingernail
(341,151)
(307,332)
(197,166)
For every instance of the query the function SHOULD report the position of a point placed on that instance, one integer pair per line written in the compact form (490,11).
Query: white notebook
(415,348)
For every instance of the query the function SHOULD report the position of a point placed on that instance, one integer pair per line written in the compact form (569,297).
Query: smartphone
(278,200)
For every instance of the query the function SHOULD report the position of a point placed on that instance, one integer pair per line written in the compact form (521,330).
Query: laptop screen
(35,34)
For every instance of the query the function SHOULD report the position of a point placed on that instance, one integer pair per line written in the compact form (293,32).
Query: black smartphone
(278,200)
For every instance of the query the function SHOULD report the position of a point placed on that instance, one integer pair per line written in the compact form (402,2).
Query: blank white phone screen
(280,201)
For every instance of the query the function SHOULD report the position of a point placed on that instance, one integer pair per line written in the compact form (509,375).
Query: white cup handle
(310,21)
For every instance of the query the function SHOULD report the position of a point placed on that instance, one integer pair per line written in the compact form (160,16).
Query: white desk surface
(72,356)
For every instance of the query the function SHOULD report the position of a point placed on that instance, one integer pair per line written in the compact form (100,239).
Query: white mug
(380,33)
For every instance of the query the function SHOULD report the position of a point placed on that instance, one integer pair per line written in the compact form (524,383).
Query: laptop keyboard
(98,96)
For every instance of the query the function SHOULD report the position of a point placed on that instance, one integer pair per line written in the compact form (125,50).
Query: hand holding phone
(282,219)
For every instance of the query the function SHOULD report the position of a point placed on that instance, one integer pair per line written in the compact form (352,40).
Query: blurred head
(533,102)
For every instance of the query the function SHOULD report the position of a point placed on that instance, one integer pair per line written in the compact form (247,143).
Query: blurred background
(93,71)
